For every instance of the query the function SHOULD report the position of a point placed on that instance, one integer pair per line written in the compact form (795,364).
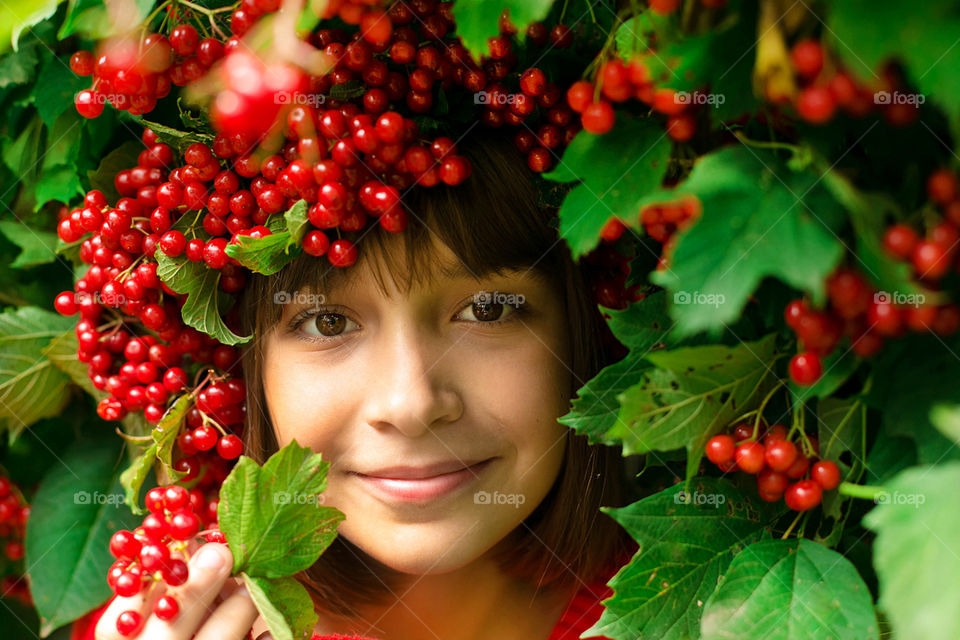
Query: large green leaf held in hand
(616,170)
(917,551)
(687,540)
(760,219)
(790,590)
(690,394)
(275,525)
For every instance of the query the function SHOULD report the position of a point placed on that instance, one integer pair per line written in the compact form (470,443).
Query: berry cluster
(869,317)
(827,89)
(133,74)
(609,269)
(776,461)
(156,551)
(662,221)
(14,513)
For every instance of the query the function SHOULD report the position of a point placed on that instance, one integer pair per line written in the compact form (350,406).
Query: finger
(209,569)
(231,620)
(142,603)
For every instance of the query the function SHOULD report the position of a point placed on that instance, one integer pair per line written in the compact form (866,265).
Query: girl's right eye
(320,325)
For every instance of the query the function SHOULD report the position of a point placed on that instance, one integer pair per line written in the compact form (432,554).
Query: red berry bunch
(156,551)
(608,271)
(132,74)
(869,317)
(777,462)
(14,513)
(662,221)
(826,89)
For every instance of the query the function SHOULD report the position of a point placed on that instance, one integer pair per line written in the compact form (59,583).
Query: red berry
(816,105)
(204,438)
(749,457)
(803,495)
(230,447)
(128,623)
(123,545)
(720,449)
(780,454)
(664,7)
(184,525)
(826,474)
(89,103)
(166,608)
(598,117)
(772,482)
(931,260)
(805,369)
(807,57)
(579,95)
(342,253)
(942,187)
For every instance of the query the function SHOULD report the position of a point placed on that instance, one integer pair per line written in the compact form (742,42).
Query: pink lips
(409,484)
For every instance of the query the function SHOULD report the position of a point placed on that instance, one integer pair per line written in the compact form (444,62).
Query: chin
(420,549)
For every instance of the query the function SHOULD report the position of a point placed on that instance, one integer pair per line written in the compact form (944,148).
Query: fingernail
(209,559)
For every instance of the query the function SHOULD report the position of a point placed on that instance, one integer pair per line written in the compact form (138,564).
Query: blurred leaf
(37,247)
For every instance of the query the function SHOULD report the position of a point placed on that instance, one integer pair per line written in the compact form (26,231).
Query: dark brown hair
(492,221)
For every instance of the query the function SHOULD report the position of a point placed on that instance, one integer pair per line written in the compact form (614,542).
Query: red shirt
(581,613)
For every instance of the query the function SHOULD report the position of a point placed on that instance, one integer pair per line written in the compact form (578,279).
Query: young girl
(430,375)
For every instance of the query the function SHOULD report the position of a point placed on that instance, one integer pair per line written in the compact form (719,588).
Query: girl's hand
(212,606)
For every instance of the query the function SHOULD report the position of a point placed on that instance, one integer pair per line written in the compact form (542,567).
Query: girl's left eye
(485,309)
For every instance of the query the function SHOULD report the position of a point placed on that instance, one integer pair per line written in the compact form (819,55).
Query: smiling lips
(419,484)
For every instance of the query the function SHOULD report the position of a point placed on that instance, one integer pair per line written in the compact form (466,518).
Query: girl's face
(426,378)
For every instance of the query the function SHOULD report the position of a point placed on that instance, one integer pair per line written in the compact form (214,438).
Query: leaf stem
(862,491)
(786,533)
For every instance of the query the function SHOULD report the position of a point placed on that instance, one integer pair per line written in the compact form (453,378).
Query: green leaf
(270,515)
(123,157)
(616,170)
(178,140)
(54,90)
(74,512)
(917,551)
(26,14)
(721,59)
(633,36)
(90,18)
(905,393)
(31,387)
(923,40)
(837,369)
(269,254)
(21,156)
(760,219)
(285,605)
(790,590)
(161,450)
(691,394)
(479,20)
(642,327)
(59,183)
(946,418)
(841,422)
(687,540)
(18,67)
(202,310)
(36,246)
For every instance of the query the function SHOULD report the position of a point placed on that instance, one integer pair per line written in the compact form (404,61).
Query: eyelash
(308,314)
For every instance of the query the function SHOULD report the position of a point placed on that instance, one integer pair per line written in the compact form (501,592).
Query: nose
(409,389)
